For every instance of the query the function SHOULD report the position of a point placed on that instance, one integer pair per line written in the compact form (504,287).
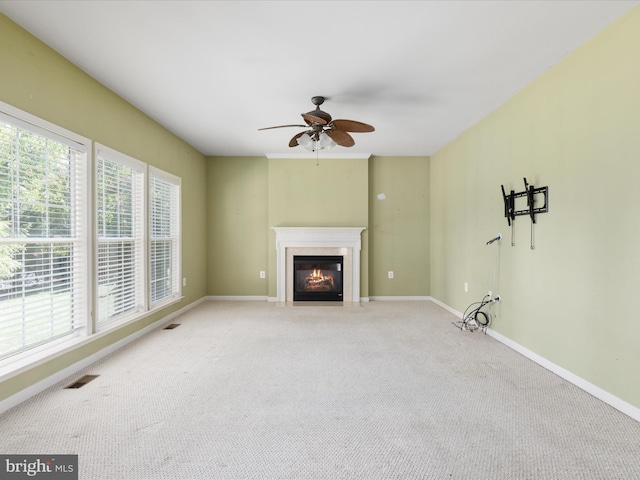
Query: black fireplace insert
(317,278)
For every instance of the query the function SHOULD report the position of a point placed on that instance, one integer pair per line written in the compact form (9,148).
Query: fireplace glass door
(317,278)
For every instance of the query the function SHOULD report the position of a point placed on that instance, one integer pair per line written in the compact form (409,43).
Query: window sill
(134,317)
(22,362)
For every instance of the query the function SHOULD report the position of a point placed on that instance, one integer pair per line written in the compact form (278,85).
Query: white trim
(30,359)
(615,402)
(447,307)
(60,375)
(142,308)
(175,181)
(134,317)
(164,175)
(43,127)
(313,156)
(116,156)
(377,298)
(608,398)
(237,298)
(82,207)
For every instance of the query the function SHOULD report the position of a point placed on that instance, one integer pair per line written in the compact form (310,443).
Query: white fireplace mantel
(300,239)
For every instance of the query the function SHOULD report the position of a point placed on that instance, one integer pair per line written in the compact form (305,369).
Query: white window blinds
(43,236)
(164,258)
(120,188)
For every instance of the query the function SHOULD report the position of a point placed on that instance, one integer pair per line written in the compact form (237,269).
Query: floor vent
(82,381)
(171,326)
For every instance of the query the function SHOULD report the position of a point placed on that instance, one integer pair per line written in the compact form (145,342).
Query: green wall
(399,226)
(248,196)
(328,193)
(237,226)
(575,129)
(39,81)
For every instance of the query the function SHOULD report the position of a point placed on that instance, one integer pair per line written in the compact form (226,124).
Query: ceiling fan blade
(342,138)
(294,141)
(282,126)
(311,119)
(352,126)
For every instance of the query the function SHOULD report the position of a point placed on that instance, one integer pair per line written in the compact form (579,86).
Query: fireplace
(317,278)
(318,241)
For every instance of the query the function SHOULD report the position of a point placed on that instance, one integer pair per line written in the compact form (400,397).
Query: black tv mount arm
(530,192)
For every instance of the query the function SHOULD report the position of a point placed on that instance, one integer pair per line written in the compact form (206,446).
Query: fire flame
(317,276)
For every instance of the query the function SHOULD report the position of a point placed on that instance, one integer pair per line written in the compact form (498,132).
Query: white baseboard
(608,398)
(447,307)
(237,298)
(60,375)
(398,298)
(580,382)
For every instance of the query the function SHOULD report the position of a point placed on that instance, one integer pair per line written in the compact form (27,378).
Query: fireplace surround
(318,241)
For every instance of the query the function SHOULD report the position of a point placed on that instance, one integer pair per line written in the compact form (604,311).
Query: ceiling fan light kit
(324,132)
(316,142)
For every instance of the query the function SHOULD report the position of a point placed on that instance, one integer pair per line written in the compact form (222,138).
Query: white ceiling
(213,72)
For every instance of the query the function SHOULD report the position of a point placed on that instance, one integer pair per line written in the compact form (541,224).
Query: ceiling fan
(324,132)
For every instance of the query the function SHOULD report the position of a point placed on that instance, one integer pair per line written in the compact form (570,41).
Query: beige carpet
(389,390)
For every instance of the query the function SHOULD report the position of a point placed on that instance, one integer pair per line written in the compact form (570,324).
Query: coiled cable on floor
(474,318)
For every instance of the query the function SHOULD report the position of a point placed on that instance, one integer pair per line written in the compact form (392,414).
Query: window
(43,234)
(120,186)
(164,231)
(47,285)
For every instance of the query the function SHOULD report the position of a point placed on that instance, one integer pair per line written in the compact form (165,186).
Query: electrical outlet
(390,274)
(490,294)
(263,274)
(184,281)
(466,287)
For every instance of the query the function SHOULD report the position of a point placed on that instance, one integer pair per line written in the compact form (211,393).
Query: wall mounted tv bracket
(510,206)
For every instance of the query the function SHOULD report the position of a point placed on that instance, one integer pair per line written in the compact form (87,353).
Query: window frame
(82,205)
(111,155)
(86,207)
(176,182)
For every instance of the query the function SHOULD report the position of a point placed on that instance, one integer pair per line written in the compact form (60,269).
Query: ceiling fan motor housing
(317,101)
(320,114)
